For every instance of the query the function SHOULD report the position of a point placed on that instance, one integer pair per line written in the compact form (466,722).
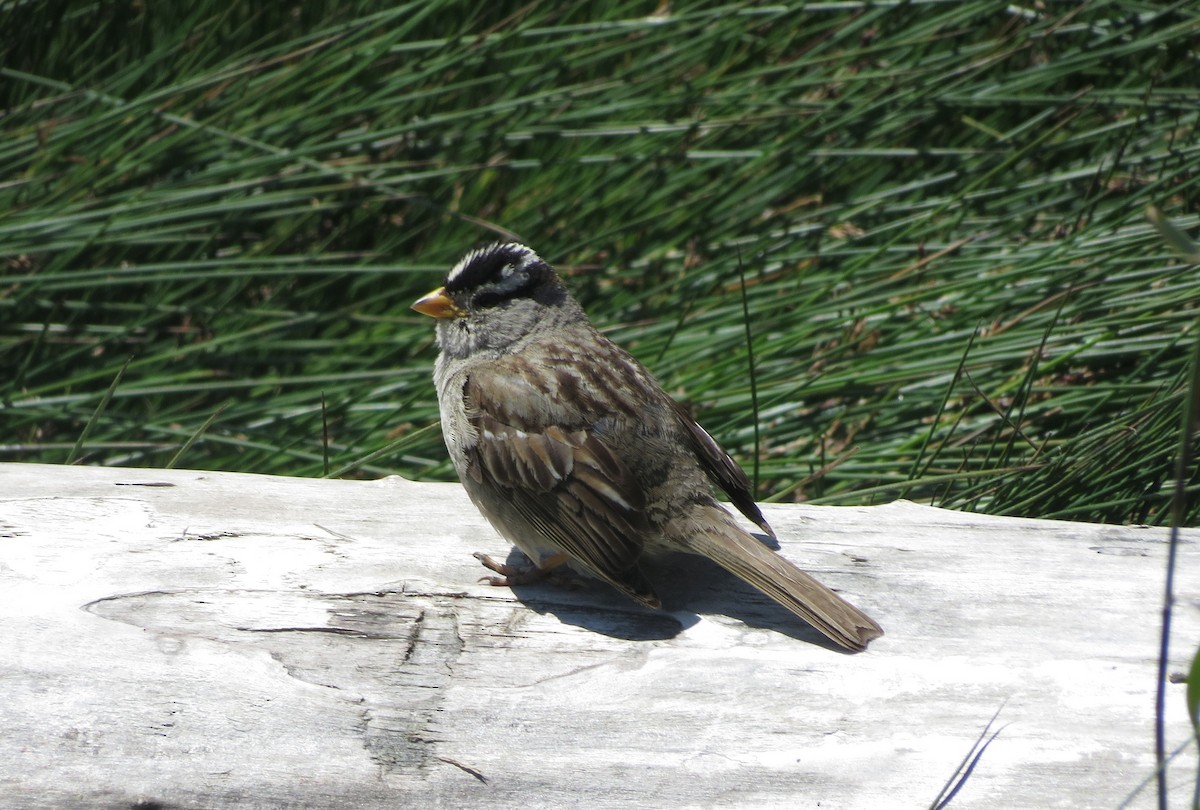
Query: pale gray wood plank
(217,640)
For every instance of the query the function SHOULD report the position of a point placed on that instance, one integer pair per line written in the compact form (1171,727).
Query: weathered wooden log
(198,639)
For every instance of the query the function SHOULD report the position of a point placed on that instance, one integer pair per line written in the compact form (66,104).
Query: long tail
(726,544)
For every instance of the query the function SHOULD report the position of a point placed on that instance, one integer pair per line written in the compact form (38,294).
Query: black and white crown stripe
(518,255)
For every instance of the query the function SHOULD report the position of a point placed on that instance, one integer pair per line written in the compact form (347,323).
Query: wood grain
(200,639)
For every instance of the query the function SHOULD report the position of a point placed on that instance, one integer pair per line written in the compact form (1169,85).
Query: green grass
(215,216)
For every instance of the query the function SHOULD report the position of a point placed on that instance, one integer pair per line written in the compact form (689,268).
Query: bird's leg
(519,575)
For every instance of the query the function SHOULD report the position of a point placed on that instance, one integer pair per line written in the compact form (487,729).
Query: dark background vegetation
(215,216)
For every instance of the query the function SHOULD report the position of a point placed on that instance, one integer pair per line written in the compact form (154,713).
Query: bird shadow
(688,586)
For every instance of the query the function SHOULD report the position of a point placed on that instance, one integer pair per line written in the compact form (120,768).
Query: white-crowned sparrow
(576,455)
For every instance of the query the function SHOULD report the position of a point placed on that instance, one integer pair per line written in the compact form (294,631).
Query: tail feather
(726,544)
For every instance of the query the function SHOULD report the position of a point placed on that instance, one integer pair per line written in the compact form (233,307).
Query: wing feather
(721,468)
(564,481)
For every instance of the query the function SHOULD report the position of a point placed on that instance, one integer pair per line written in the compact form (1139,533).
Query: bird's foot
(518,574)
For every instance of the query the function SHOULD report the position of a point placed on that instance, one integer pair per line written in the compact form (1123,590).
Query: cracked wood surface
(199,639)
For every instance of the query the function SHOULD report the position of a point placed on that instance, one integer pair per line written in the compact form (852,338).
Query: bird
(573,451)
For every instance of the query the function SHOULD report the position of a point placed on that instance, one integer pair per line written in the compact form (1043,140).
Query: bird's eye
(490,297)
(509,284)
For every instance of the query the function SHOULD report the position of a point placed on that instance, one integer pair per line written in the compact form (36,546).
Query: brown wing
(722,470)
(563,480)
